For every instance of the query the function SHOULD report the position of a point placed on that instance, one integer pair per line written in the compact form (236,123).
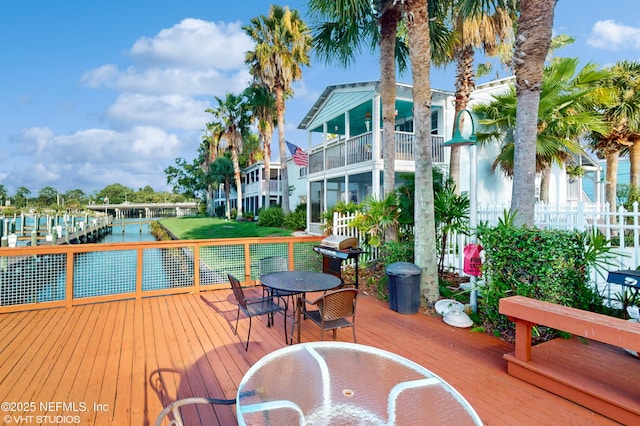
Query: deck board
(135,357)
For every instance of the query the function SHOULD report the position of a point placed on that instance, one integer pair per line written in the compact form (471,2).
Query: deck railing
(63,276)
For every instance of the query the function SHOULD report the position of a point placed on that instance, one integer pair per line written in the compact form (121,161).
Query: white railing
(622,227)
(359,149)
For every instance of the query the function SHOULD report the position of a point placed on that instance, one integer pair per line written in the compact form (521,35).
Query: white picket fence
(579,216)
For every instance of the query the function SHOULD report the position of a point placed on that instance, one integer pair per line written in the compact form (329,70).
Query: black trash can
(404,287)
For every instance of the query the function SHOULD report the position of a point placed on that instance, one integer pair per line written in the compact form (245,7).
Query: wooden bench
(600,376)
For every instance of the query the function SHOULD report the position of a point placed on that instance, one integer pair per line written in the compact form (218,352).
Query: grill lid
(340,242)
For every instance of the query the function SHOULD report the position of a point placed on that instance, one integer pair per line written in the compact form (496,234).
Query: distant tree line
(76,199)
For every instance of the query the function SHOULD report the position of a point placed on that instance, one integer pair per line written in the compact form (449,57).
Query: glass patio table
(299,282)
(338,383)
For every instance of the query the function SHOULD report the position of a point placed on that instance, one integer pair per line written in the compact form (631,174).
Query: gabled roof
(337,99)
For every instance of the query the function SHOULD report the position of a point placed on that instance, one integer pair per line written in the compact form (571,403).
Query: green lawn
(202,228)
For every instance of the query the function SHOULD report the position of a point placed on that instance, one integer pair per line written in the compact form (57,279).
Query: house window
(434,121)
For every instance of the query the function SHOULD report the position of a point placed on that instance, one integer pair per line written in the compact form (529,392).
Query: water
(134,232)
(43,278)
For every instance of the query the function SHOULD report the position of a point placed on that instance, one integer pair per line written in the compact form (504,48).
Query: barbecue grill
(334,250)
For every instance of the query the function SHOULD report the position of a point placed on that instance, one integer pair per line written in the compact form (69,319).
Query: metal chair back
(273,264)
(336,309)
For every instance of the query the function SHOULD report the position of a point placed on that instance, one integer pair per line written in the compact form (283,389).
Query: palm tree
(345,26)
(425,232)
(565,114)
(478,24)
(262,107)
(231,116)
(221,171)
(623,113)
(211,140)
(532,45)
(282,45)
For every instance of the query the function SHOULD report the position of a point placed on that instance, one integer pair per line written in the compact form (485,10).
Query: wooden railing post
(68,292)
(196,268)
(247,262)
(139,268)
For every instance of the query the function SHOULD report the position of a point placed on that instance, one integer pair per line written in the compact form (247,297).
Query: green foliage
(273,217)
(627,195)
(451,215)
(375,216)
(599,254)
(220,211)
(297,220)
(547,265)
(187,179)
(406,195)
(392,251)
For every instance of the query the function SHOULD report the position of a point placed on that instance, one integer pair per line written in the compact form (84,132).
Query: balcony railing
(359,149)
(43,277)
(258,188)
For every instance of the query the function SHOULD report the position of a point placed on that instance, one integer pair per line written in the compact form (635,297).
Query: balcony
(359,149)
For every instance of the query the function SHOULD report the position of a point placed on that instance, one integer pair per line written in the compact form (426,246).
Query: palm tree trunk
(389,27)
(545,184)
(634,163)
(425,230)
(227,196)
(611,182)
(237,177)
(533,40)
(464,86)
(284,175)
(266,147)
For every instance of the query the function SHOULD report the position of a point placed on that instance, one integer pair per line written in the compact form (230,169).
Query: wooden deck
(122,362)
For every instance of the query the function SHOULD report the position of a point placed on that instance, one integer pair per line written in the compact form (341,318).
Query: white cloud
(167,111)
(611,35)
(196,43)
(97,157)
(167,80)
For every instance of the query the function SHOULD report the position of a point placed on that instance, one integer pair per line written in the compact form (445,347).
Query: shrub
(297,220)
(393,251)
(273,217)
(547,265)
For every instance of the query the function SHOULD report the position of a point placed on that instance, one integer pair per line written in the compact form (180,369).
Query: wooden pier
(71,230)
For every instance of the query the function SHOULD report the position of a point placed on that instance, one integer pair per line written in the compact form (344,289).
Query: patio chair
(336,309)
(174,408)
(253,307)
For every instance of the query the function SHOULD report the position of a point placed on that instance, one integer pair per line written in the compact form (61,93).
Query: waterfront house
(346,155)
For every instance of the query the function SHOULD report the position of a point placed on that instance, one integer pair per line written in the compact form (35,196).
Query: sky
(99,92)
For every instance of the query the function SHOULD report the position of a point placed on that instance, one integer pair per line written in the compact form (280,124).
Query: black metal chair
(336,309)
(256,306)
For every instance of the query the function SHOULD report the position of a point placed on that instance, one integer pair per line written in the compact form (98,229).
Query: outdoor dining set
(348,383)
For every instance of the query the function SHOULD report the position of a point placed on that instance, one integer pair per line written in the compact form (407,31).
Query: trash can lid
(403,269)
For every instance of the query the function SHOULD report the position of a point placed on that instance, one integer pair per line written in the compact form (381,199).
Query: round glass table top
(337,383)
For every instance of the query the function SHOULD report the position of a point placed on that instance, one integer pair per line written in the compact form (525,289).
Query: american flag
(300,157)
